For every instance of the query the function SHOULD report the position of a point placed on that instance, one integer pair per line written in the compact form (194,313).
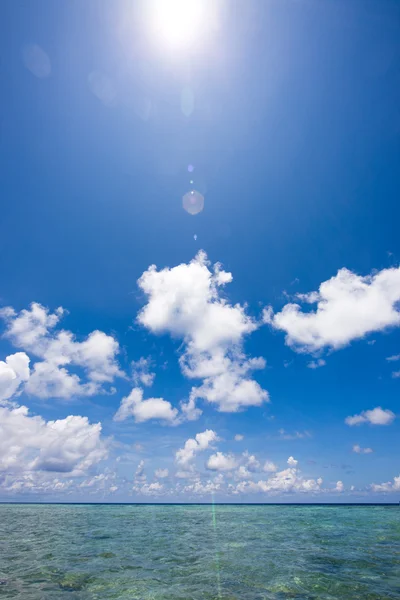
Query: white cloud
(243,473)
(189,410)
(35,482)
(358,450)
(140,475)
(186,302)
(339,486)
(29,443)
(44,482)
(100,482)
(389,486)
(33,330)
(349,307)
(145,410)
(48,380)
(30,327)
(221,462)
(287,481)
(13,371)
(394,358)
(150,489)
(270,467)
(376,416)
(239,437)
(193,446)
(292,462)
(161,473)
(316,364)
(226,381)
(205,488)
(251,462)
(141,373)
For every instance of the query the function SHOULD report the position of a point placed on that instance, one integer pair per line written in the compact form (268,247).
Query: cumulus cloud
(186,301)
(103,482)
(270,467)
(140,475)
(358,450)
(339,486)
(145,410)
(33,330)
(149,489)
(48,380)
(221,462)
(161,473)
(316,364)
(239,437)
(243,473)
(226,381)
(287,481)
(189,410)
(34,482)
(251,462)
(30,327)
(41,482)
(13,372)
(204,488)
(247,464)
(141,373)
(376,416)
(29,443)
(193,446)
(389,486)
(349,307)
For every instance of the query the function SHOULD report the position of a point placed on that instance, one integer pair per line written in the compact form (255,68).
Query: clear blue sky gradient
(295,139)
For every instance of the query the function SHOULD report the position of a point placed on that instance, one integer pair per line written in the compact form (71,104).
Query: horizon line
(204,503)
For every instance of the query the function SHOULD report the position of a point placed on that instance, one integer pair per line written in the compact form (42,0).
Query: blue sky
(289,113)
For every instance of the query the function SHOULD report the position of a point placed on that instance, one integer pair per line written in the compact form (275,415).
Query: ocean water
(224,552)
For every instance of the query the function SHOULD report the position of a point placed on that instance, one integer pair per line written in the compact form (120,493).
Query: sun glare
(178,23)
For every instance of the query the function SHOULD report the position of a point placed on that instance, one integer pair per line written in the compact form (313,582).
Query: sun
(178,23)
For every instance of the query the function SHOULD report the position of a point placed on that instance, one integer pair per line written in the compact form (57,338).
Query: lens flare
(193,202)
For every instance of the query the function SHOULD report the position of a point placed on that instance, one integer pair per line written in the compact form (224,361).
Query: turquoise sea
(226,552)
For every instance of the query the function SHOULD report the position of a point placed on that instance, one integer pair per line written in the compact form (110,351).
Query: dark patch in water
(75,582)
(100,536)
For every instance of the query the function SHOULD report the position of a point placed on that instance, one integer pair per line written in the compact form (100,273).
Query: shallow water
(87,552)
